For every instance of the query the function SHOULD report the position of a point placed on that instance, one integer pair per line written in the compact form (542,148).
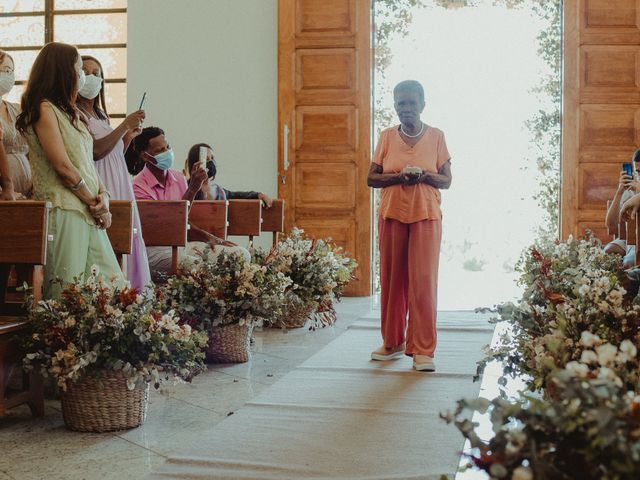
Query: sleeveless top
(47,185)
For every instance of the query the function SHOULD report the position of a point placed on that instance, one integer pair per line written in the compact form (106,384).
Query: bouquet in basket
(94,327)
(224,290)
(319,272)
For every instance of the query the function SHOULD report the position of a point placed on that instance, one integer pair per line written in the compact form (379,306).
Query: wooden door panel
(608,126)
(326,75)
(598,229)
(610,13)
(326,17)
(598,183)
(324,131)
(324,113)
(601,106)
(326,186)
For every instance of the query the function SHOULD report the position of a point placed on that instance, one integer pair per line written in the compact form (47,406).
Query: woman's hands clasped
(100,211)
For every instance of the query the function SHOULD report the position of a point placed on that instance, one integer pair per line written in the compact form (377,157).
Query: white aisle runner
(341,416)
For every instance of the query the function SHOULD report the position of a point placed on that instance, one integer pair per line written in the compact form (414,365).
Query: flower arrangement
(224,290)
(588,430)
(319,272)
(94,327)
(574,294)
(574,336)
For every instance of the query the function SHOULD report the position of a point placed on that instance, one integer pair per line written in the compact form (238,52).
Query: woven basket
(229,343)
(103,404)
(296,315)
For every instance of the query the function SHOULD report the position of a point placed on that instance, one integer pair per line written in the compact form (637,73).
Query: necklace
(412,136)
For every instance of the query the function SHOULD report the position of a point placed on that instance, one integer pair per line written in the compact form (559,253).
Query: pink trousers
(409,256)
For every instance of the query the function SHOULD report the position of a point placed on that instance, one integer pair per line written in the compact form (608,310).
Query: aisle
(339,415)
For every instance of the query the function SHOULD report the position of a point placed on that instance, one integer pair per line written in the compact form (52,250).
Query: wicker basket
(229,343)
(103,404)
(296,315)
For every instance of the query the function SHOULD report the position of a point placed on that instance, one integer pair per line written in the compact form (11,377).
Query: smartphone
(144,97)
(203,156)
(628,169)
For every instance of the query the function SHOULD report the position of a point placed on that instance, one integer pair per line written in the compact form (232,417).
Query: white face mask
(81,80)
(7,81)
(91,87)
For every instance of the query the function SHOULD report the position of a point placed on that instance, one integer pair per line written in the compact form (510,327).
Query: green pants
(75,248)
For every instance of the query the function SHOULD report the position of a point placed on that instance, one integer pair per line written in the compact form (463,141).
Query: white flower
(628,351)
(583,290)
(589,357)
(577,369)
(606,354)
(94,269)
(522,473)
(589,340)
(608,374)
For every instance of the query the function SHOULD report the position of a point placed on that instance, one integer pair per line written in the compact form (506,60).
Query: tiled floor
(44,449)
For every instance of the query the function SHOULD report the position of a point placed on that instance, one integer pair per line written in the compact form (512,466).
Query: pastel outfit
(410,232)
(16,148)
(78,244)
(147,187)
(112,169)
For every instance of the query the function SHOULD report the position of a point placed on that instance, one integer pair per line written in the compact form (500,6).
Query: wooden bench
(121,230)
(164,224)
(273,219)
(245,218)
(25,245)
(210,216)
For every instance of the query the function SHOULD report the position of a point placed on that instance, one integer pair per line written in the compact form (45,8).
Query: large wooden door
(324,115)
(601,114)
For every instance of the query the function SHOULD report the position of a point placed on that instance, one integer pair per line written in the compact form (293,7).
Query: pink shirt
(147,187)
(411,203)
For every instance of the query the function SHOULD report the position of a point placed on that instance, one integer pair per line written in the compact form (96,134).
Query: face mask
(81,80)
(164,160)
(91,88)
(7,81)
(211,169)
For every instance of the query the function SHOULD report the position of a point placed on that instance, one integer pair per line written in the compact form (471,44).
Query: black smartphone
(144,97)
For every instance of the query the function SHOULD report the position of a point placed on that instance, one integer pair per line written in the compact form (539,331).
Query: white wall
(209,68)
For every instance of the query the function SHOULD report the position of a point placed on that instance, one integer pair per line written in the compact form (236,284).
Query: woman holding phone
(109,147)
(411,164)
(61,158)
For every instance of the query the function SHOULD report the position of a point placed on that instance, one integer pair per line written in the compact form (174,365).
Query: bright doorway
(491,73)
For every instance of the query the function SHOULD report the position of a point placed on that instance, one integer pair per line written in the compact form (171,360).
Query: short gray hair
(409,86)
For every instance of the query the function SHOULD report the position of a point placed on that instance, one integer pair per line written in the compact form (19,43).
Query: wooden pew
(24,243)
(273,219)
(245,218)
(121,230)
(164,224)
(210,216)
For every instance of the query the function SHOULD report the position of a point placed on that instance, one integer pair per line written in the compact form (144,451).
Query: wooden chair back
(245,218)
(121,230)
(273,219)
(210,216)
(164,224)
(23,242)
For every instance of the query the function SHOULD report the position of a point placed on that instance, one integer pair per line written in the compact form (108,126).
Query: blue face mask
(164,160)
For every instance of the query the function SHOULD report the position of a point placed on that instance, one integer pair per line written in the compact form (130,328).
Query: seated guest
(61,158)
(109,145)
(213,191)
(15,146)
(158,181)
(627,188)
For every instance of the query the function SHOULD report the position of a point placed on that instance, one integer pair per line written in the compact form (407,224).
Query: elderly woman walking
(411,164)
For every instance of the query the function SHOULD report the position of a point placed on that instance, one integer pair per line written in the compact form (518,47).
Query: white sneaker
(424,363)
(383,353)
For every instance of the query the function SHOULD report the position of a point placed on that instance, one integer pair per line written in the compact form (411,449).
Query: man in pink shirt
(158,181)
